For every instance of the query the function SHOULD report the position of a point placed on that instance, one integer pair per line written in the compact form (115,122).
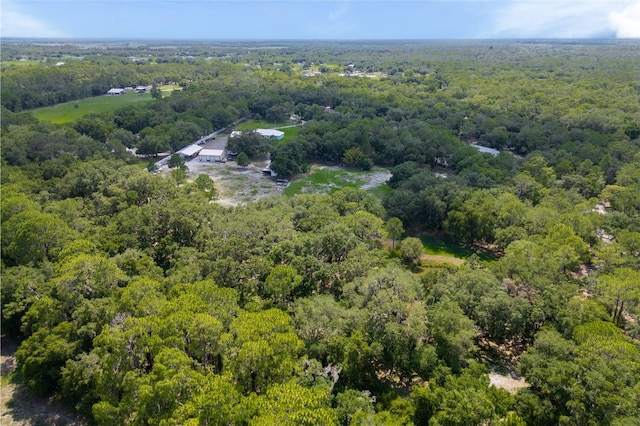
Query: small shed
(115,91)
(213,155)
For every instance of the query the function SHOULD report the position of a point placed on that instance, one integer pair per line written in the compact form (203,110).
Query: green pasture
(327,180)
(71,111)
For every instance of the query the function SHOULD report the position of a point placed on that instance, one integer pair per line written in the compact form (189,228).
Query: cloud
(18,23)
(626,23)
(566,19)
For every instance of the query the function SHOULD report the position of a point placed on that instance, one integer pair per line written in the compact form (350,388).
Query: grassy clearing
(71,111)
(439,246)
(436,245)
(290,132)
(327,180)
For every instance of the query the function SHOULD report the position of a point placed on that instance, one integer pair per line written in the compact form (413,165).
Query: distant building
(143,89)
(212,155)
(265,133)
(270,133)
(114,92)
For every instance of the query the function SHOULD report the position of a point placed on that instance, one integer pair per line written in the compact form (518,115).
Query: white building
(115,91)
(213,155)
(270,133)
(265,133)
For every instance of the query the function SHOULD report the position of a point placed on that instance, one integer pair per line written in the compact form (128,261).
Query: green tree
(32,236)
(462,400)
(622,291)
(153,144)
(411,250)
(176,161)
(43,354)
(261,349)
(291,404)
(453,333)
(281,282)
(156,93)
(353,157)
(205,184)
(179,175)
(242,160)
(395,230)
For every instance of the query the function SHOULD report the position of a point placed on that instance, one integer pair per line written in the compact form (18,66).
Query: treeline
(31,86)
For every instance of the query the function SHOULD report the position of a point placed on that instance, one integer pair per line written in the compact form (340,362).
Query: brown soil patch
(508,383)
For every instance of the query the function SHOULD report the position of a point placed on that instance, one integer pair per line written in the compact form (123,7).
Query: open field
(329,179)
(69,112)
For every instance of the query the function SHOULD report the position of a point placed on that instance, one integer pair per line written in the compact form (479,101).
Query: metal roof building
(212,155)
(190,151)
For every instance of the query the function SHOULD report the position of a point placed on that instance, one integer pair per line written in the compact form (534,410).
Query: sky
(320,19)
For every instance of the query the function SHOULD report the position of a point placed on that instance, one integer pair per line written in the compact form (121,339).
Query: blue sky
(320,19)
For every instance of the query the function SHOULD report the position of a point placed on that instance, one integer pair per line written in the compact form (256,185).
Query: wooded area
(137,299)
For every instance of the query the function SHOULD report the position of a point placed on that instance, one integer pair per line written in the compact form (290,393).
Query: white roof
(115,90)
(212,152)
(191,150)
(270,132)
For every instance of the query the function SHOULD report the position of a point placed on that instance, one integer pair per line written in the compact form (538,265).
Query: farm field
(69,112)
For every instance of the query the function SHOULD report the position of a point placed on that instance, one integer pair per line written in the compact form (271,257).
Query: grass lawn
(290,132)
(71,111)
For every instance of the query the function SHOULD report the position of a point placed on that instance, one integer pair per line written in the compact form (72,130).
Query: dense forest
(137,299)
